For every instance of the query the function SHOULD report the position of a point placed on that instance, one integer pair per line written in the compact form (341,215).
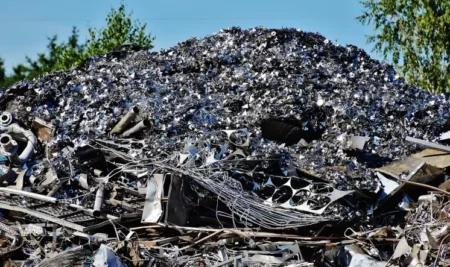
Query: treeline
(120,29)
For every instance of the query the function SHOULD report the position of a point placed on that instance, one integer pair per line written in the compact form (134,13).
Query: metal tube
(6,119)
(55,189)
(8,144)
(98,201)
(28,194)
(137,128)
(90,211)
(123,123)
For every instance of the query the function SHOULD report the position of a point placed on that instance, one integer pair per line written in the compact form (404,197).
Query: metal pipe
(123,123)
(8,145)
(98,201)
(28,194)
(55,189)
(90,211)
(137,128)
(6,119)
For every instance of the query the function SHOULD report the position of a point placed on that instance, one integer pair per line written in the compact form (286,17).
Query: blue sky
(26,24)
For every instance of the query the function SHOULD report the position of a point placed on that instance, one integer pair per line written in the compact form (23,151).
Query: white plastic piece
(358,142)
(106,257)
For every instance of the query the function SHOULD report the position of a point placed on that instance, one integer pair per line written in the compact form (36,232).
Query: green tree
(415,34)
(120,29)
(2,71)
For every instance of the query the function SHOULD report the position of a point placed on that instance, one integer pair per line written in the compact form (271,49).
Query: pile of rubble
(248,147)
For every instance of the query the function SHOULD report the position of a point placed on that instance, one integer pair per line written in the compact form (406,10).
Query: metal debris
(245,148)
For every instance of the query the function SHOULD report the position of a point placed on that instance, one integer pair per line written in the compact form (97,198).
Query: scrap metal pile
(245,148)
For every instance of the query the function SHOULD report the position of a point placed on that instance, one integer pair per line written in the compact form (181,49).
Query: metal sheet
(153,207)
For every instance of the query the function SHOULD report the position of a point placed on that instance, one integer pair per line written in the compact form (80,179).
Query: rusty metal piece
(43,130)
(125,121)
(142,125)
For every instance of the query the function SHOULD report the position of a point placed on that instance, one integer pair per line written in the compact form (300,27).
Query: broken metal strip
(190,228)
(43,216)
(427,144)
(92,227)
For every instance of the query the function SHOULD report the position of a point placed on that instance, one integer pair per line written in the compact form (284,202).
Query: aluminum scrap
(186,156)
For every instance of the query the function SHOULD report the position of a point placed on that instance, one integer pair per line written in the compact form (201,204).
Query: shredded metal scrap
(247,147)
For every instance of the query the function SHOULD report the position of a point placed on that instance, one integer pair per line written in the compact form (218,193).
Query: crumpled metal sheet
(153,207)
(314,198)
(105,257)
(364,260)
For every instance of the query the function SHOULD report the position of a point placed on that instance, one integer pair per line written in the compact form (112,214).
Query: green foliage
(416,35)
(2,71)
(120,29)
